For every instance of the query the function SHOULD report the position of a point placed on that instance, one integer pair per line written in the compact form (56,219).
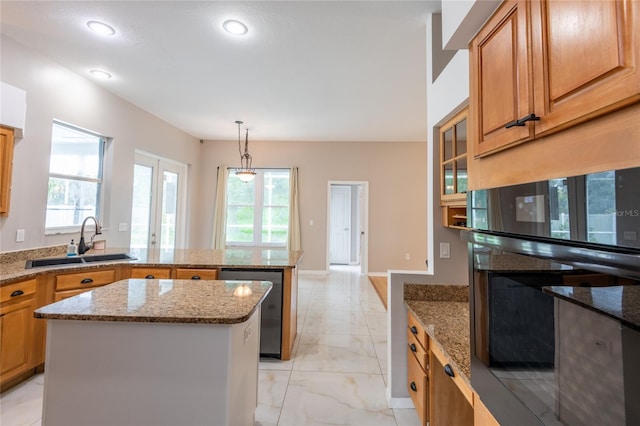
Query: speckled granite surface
(13,266)
(437,292)
(619,302)
(444,315)
(167,301)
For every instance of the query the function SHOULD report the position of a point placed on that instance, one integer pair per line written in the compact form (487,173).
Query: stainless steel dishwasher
(271,319)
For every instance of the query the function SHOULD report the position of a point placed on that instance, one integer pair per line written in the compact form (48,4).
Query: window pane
(275,224)
(70,201)
(239,192)
(75,153)
(240,224)
(461,175)
(169,208)
(276,188)
(559,209)
(448,178)
(447,153)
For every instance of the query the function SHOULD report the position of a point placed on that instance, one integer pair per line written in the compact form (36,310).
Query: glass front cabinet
(453,170)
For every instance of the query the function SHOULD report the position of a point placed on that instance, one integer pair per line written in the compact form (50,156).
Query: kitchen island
(154,352)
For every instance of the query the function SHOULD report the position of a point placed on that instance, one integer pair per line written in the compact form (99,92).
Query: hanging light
(245,173)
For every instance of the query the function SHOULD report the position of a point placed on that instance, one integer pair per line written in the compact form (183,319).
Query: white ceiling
(307,70)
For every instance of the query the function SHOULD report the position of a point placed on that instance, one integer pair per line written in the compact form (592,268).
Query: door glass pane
(141,205)
(559,209)
(169,209)
(601,202)
(461,137)
(448,144)
(461,175)
(448,178)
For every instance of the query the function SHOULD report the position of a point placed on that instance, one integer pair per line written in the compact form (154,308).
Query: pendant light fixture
(245,173)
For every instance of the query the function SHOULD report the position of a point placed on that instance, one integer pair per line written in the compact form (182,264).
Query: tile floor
(336,376)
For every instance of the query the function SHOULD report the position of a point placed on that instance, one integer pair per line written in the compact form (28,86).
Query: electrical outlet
(407,256)
(19,235)
(445,251)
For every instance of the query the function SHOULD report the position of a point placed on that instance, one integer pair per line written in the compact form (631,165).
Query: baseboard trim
(377,274)
(399,402)
(313,272)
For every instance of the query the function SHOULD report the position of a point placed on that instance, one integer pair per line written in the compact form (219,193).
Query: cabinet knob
(521,122)
(86,281)
(17,293)
(413,387)
(413,347)
(413,329)
(449,371)
(195,277)
(149,277)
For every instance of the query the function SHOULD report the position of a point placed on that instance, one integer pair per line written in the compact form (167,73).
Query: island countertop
(13,263)
(164,301)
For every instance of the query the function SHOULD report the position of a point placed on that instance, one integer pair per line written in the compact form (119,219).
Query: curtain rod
(263,168)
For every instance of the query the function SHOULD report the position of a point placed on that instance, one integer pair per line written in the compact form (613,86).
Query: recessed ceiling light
(101,28)
(235,27)
(102,75)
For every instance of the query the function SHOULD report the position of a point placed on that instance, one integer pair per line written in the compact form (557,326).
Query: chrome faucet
(82,247)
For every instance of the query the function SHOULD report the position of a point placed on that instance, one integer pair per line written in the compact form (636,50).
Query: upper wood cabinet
(538,67)
(6,167)
(453,160)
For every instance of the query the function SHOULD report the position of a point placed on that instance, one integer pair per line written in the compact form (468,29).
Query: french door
(158,205)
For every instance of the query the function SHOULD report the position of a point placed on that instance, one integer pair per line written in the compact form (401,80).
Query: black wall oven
(555,300)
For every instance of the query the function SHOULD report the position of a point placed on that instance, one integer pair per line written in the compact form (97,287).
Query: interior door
(340,228)
(157,218)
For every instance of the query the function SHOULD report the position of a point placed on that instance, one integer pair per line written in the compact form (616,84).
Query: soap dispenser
(72,249)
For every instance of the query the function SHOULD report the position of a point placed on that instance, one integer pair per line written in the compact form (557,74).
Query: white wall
(462,19)
(54,92)
(445,97)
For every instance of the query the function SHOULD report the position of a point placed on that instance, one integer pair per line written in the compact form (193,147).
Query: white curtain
(219,219)
(294,212)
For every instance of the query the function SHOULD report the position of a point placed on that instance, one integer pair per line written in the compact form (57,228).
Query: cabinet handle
(521,122)
(149,277)
(449,371)
(413,387)
(196,277)
(413,347)
(86,281)
(17,293)
(413,329)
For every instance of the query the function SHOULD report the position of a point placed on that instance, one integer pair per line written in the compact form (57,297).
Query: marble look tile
(22,405)
(380,346)
(377,322)
(320,306)
(336,353)
(272,386)
(336,322)
(406,417)
(335,399)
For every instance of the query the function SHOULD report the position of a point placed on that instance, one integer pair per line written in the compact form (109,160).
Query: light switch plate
(19,235)
(445,251)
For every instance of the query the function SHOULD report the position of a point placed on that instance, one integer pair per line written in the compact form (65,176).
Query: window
(258,211)
(75,176)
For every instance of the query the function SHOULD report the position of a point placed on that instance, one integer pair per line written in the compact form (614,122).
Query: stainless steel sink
(53,261)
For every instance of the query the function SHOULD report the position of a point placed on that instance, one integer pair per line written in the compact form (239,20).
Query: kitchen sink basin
(105,257)
(53,261)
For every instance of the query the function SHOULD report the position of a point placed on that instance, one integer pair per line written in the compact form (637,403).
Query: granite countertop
(165,301)
(516,263)
(13,263)
(443,312)
(621,303)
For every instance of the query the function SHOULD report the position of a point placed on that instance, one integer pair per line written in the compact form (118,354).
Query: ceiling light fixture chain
(246,172)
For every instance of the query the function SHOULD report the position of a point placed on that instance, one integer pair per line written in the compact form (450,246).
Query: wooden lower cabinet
(481,414)
(150,272)
(72,284)
(17,303)
(196,274)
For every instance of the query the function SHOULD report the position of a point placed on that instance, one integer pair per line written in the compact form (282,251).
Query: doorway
(347,224)
(158,205)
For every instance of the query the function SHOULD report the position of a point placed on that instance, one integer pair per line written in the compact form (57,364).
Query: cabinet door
(418,386)
(586,58)
(16,336)
(501,87)
(449,405)
(6,167)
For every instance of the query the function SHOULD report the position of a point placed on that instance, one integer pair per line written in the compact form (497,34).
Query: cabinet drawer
(416,329)
(418,386)
(151,273)
(85,279)
(416,348)
(196,274)
(12,291)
